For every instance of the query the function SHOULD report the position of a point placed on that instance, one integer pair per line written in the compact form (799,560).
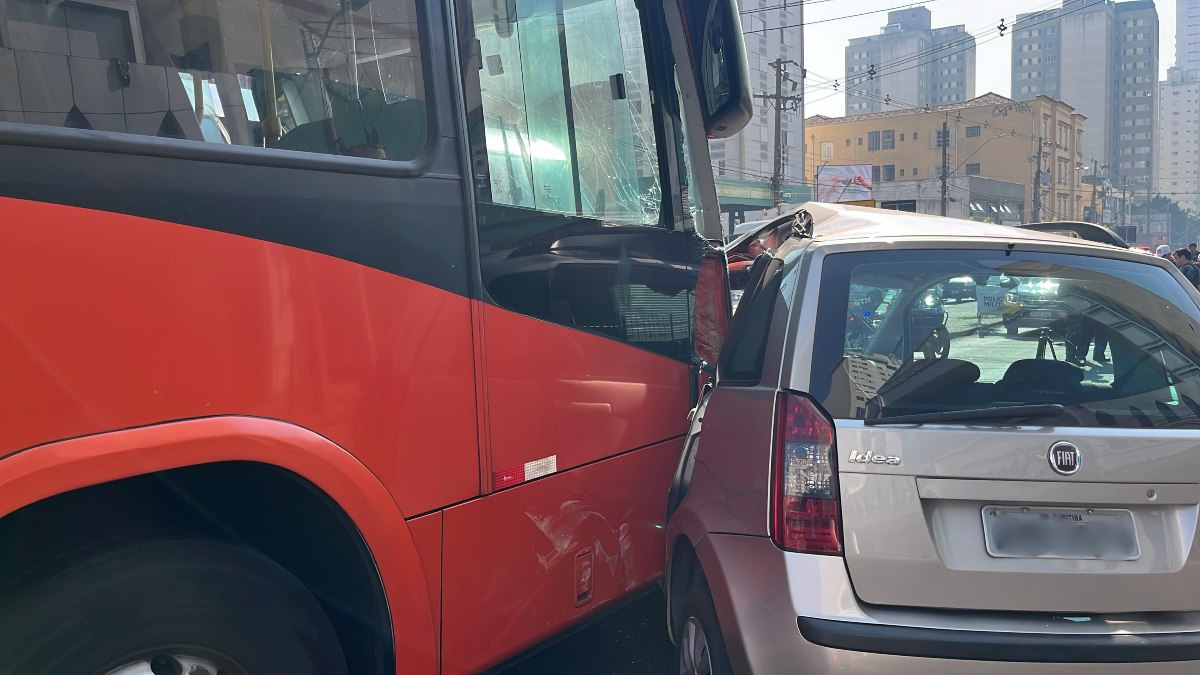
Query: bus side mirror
(719,60)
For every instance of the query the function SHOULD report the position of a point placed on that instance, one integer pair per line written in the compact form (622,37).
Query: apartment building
(1177,172)
(1102,58)
(910,63)
(1187,34)
(772,31)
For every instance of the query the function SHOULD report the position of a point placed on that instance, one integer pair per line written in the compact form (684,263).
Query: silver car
(850,501)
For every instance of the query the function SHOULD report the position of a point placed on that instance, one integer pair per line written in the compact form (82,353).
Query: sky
(828,29)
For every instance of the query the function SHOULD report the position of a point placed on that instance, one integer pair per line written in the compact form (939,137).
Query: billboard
(844,183)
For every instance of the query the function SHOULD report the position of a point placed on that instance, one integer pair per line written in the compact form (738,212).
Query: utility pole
(803,76)
(1171,229)
(1094,183)
(1148,184)
(1124,197)
(945,172)
(781,102)
(812,149)
(1037,184)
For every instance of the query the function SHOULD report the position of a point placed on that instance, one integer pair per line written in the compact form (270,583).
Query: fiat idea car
(851,501)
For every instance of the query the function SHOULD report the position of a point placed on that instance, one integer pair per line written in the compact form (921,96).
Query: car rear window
(1114,341)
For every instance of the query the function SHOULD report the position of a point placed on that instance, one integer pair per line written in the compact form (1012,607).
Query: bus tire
(173,606)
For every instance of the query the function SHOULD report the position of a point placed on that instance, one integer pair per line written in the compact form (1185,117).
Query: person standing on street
(1184,263)
(1163,251)
(1192,251)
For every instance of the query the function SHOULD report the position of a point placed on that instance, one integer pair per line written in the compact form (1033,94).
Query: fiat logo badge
(1064,458)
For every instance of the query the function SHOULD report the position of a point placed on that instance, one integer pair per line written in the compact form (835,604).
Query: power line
(853,90)
(838,18)
(989,33)
(749,173)
(884,67)
(1025,25)
(786,5)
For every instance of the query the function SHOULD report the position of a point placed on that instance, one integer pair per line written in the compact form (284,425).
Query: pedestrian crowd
(1185,260)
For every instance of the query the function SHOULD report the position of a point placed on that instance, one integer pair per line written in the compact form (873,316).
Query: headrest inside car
(929,375)
(1042,370)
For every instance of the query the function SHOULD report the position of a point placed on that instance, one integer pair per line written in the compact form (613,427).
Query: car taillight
(805,509)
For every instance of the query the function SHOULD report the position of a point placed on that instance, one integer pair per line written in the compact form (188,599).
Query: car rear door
(942,528)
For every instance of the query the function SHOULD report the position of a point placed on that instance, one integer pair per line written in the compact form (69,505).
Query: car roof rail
(1087,231)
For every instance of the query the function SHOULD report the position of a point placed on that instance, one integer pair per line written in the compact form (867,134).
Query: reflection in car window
(1114,341)
(867,304)
(330,77)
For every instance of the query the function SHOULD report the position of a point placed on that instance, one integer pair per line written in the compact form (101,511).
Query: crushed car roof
(839,222)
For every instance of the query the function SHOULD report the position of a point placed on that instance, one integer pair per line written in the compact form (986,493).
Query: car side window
(741,361)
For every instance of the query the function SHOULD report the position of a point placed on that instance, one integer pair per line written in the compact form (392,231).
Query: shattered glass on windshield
(567,114)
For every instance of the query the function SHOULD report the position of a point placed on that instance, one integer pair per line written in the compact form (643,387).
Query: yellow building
(990,136)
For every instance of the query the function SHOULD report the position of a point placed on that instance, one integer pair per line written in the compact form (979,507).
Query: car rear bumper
(786,612)
(944,643)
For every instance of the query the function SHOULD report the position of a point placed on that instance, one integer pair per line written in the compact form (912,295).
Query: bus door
(587,130)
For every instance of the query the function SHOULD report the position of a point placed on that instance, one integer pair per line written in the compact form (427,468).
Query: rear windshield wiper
(1009,412)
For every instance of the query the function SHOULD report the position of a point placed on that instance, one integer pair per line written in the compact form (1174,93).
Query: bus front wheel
(175,606)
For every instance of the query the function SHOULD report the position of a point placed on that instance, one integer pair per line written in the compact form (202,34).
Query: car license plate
(1042,314)
(1050,532)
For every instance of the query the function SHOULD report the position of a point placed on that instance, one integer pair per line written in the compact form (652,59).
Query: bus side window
(566,162)
(329,76)
(567,119)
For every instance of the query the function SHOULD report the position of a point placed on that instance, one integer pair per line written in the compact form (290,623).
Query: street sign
(989,300)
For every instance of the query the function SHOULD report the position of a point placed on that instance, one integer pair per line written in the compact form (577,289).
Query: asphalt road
(633,640)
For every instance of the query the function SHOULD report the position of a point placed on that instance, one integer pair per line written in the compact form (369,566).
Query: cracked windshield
(566,109)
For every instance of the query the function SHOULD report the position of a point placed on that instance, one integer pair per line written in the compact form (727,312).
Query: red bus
(346,336)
